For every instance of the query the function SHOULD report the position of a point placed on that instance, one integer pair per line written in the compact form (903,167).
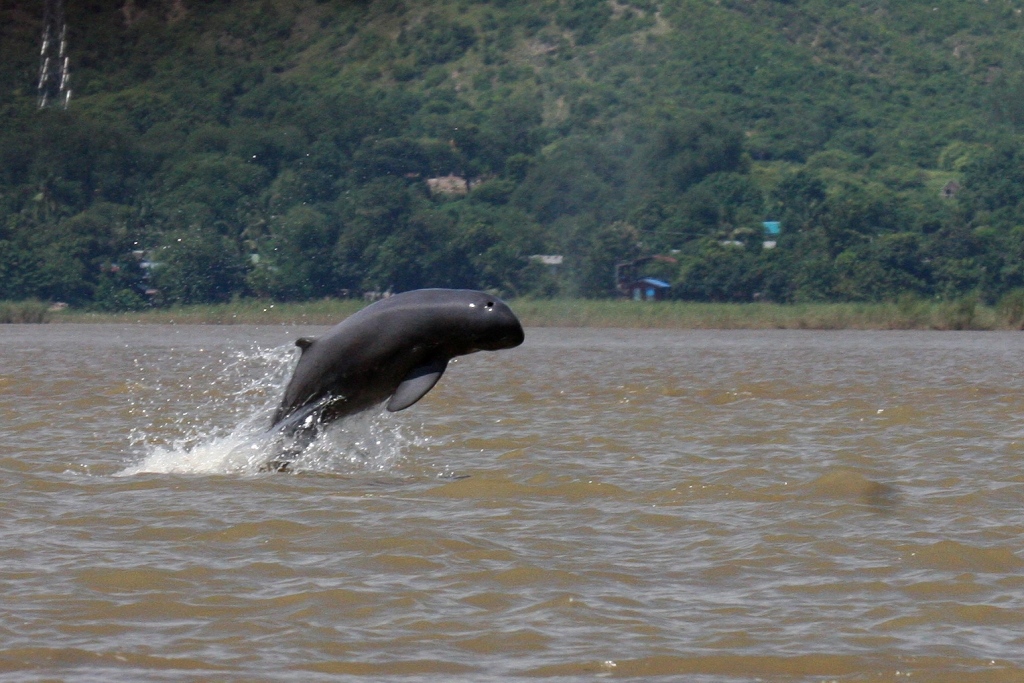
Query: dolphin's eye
(489,305)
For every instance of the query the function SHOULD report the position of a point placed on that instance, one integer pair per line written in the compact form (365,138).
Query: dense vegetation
(281,149)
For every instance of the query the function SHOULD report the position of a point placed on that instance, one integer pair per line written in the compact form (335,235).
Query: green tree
(720,273)
(198,266)
(290,262)
(683,153)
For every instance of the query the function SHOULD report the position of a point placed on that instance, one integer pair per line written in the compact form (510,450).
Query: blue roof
(772,227)
(654,283)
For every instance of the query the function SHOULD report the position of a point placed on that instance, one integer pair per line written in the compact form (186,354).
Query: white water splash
(225,428)
(368,442)
(235,453)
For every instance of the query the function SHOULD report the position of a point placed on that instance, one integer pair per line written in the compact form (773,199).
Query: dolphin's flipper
(416,384)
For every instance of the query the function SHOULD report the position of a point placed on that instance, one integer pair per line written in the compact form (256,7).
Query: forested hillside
(294,149)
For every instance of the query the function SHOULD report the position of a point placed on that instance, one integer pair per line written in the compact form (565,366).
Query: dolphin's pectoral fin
(416,384)
(305,342)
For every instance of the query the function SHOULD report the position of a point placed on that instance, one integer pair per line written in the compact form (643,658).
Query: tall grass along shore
(15,312)
(906,314)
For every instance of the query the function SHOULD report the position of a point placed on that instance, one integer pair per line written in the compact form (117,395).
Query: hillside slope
(283,148)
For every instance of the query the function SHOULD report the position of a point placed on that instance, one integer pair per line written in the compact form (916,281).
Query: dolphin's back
(333,363)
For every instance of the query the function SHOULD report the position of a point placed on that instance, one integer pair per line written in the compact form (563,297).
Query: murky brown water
(704,506)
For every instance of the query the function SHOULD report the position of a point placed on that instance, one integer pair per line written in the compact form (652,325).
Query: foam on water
(225,430)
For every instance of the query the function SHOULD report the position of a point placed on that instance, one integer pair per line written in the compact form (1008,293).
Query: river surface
(691,505)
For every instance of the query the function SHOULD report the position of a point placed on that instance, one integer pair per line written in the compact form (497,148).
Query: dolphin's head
(451,322)
(491,324)
(465,320)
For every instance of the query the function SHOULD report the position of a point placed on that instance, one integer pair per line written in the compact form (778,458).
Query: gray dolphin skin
(395,349)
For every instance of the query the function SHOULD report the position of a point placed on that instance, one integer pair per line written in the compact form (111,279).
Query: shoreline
(964,314)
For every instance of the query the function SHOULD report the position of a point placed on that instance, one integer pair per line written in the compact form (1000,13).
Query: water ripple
(696,505)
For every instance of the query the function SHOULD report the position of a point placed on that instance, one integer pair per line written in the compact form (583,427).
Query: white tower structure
(54,77)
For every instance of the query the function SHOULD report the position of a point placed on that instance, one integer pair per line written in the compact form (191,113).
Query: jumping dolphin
(395,349)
